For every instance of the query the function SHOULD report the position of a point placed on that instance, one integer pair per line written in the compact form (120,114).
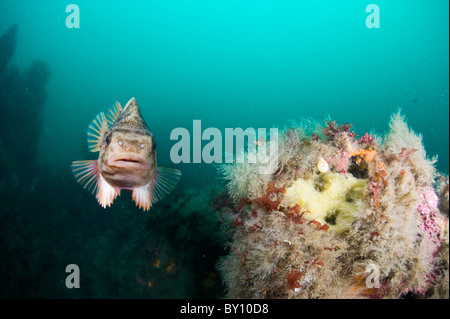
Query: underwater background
(230,64)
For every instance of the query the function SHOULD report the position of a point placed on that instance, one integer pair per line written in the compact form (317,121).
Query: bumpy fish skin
(127,159)
(127,156)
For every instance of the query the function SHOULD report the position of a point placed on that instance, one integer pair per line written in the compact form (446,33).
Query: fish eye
(120,143)
(108,139)
(142,145)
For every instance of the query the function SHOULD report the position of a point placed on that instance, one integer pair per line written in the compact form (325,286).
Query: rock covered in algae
(344,216)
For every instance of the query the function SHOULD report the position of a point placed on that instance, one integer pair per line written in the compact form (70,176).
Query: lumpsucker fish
(126,160)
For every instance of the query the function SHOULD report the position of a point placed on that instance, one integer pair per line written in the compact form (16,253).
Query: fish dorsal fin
(165,182)
(96,131)
(114,113)
(131,117)
(131,103)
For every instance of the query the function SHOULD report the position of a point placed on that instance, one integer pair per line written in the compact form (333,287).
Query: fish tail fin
(165,181)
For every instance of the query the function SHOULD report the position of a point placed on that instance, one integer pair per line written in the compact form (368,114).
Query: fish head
(127,159)
(127,156)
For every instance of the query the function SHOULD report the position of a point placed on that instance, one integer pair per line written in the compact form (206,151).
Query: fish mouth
(129,160)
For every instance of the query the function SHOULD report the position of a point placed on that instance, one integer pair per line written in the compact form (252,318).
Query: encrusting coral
(344,216)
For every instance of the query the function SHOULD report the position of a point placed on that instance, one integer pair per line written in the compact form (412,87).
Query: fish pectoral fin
(141,195)
(165,181)
(86,173)
(106,193)
(96,131)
